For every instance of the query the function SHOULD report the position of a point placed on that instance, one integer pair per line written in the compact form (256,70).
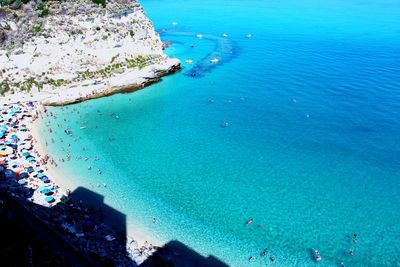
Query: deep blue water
(312,147)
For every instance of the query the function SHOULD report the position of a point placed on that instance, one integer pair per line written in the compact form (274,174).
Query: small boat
(224,35)
(174,23)
(248,35)
(317,256)
(83,127)
(189,61)
(199,36)
(214,60)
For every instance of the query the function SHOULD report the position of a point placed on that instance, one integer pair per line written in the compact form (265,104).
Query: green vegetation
(10,2)
(104,37)
(100,2)
(43,10)
(137,62)
(114,58)
(4,87)
(58,82)
(27,85)
(37,28)
(7,2)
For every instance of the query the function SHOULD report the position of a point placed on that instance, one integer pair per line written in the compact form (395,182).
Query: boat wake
(224,51)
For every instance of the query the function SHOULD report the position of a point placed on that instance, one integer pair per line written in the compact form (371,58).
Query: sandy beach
(66,182)
(26,166)
(75,52)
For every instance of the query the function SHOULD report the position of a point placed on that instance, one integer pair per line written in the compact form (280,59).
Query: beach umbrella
(43,187)
(40,175)
(45,191)
(14,137)
(45,180)
(14,164)
(6,151)
(22,181)
(31,159)
(49,199)
(26,164)
(29,169)
(23,175)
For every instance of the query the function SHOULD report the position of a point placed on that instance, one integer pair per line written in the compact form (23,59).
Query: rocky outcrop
(53,47)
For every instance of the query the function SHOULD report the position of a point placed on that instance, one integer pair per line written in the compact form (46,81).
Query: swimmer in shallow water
(249,221)
(351,252)
(265,252)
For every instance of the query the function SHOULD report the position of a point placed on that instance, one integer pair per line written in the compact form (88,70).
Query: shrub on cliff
(100,2)
(43,9)
(15,2)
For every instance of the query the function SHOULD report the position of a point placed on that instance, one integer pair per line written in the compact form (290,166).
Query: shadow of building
(65,234)
(177,254)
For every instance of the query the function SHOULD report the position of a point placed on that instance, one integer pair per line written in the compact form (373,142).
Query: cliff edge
(62,52)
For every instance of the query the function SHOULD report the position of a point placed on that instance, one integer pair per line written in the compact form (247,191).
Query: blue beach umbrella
(22,181)
(45,191)
(40,175)
(45,180)
(30,170)
(49,199)
(31,159)
(26,154)
(43,187)
(23,175)
(14,137)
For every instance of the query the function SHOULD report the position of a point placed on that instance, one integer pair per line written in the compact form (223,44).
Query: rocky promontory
(62,52)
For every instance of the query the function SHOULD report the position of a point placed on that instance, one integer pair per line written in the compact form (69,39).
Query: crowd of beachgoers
(23,176)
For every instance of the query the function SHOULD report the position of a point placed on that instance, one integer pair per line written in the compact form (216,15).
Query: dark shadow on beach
(175,253)
(82,232)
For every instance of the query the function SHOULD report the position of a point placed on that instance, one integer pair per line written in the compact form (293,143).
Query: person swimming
(224,124)
(351,252)
(265,252)
(250,221)
(317,256)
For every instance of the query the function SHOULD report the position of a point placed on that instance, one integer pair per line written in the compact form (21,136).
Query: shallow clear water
(312,147)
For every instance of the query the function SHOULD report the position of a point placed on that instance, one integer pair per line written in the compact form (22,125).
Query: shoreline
(119,84)
(76,52)
(57,177)
(26,175)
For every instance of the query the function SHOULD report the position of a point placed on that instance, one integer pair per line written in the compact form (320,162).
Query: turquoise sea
(297,127)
